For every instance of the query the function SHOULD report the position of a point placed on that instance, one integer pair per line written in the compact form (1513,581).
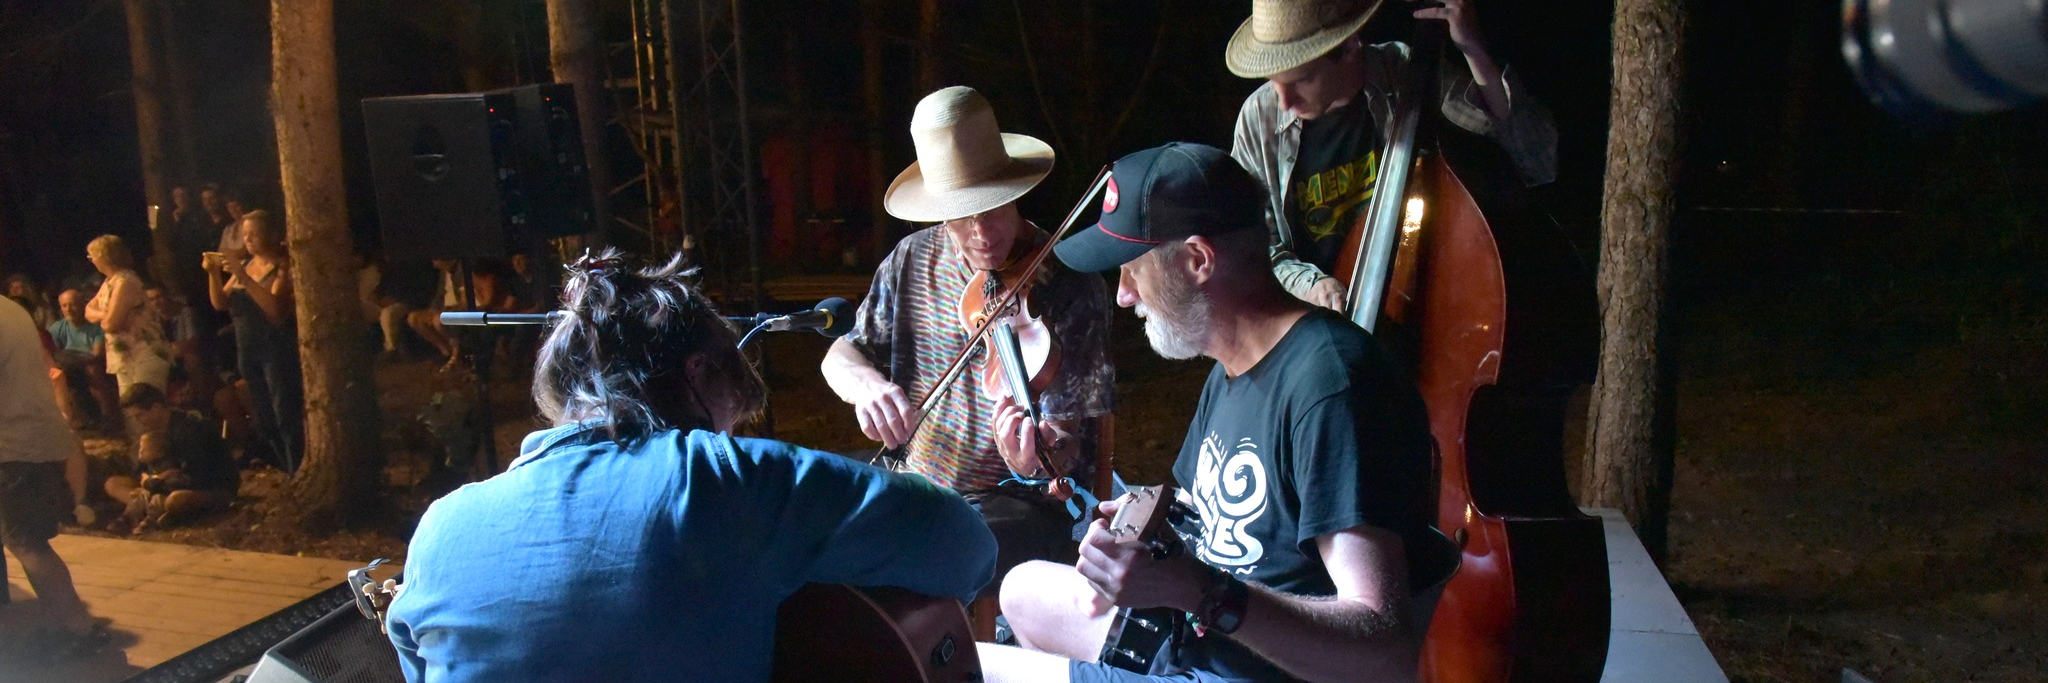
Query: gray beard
(1179,329)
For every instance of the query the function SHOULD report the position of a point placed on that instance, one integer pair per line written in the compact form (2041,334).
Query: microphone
(482,318)
(832,318)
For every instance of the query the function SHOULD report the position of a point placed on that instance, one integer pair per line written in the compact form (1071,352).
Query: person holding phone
(257,294)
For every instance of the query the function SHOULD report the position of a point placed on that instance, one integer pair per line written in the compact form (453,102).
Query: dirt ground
(1866,496)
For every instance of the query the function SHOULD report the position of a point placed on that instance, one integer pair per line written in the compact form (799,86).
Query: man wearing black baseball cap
(1308,461)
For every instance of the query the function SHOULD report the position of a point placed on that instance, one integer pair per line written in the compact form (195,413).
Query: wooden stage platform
(164,599)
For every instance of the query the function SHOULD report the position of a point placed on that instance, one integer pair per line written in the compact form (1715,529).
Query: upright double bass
(1497,317)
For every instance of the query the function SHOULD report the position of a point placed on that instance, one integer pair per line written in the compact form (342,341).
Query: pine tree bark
(147,86)
(880,226)
(337,482)
(577,58)
(929,77)
(177,91)
(1629,425)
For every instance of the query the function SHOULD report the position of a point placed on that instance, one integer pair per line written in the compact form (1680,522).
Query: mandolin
(1135,635)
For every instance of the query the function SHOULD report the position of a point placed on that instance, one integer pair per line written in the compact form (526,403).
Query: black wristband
(1223,605)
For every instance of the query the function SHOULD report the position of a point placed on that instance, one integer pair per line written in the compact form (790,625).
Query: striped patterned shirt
(909,329)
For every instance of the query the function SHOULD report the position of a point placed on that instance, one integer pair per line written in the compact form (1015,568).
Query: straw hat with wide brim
(965,165)
(1283,34)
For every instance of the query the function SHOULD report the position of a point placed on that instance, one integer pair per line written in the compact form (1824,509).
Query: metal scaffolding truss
(716,139)
(684,106)
(640,77)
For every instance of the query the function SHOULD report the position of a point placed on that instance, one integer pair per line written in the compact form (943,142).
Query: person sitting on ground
(454,296)
(25,292)
(81,354)
(636,539)
(449,296)
(372,294)
(530,288)
(187,472)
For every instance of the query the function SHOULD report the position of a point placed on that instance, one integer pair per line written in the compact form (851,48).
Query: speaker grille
(343,647)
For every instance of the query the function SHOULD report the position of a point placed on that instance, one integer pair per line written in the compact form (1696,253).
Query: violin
(1019,350)
(1020,354)
(981,305)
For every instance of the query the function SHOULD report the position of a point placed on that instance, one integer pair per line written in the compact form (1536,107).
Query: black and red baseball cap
(1164,194)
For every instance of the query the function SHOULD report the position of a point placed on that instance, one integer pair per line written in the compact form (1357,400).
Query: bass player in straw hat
(967,180)
(1312,133)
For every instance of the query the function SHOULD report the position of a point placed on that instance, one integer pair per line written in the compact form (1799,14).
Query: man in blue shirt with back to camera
(636,540)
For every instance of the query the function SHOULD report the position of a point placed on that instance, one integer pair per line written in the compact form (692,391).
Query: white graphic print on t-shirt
(1230,493)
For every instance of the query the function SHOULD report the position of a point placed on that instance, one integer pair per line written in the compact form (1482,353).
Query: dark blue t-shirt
(1321,435)
(588,561)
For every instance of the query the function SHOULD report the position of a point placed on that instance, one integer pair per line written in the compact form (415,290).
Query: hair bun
(603,264)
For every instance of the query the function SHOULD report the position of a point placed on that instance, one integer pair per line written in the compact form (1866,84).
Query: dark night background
(1857,304)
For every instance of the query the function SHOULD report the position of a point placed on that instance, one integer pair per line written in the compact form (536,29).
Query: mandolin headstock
(1142,520)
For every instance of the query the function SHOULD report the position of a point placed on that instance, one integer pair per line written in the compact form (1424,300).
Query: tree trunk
(178,90)
(928,76)
(879,221)
(577,59)
(483,67)
(147,86)
(802,209)
(338,480)
(1630,434)
(1091,92)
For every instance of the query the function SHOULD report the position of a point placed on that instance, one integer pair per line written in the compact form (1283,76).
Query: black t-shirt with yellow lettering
(1333,181)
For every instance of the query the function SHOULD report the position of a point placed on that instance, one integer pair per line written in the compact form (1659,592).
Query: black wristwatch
(1222,607)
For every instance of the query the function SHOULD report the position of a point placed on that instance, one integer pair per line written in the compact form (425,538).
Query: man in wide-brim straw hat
(1311,134)
(967,179)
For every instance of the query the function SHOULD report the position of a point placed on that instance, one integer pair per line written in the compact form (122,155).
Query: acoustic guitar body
(829,632)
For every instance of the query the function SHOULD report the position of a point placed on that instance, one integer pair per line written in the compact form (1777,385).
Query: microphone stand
(481,369)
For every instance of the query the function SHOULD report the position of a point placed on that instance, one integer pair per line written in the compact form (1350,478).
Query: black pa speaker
(342,647)
(554,178)
(444,169)
(477,175)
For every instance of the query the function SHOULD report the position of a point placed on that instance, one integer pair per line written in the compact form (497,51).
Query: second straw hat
(1283,34)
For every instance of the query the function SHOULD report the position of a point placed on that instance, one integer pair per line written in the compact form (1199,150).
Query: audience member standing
(216,209)
(231,238)
(257,293)
(136,351)
(192,379)
(192,234)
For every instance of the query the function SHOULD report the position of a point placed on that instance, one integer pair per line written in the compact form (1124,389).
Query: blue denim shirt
(589,561)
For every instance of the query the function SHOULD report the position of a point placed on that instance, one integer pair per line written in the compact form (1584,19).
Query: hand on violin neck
(1018,438)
